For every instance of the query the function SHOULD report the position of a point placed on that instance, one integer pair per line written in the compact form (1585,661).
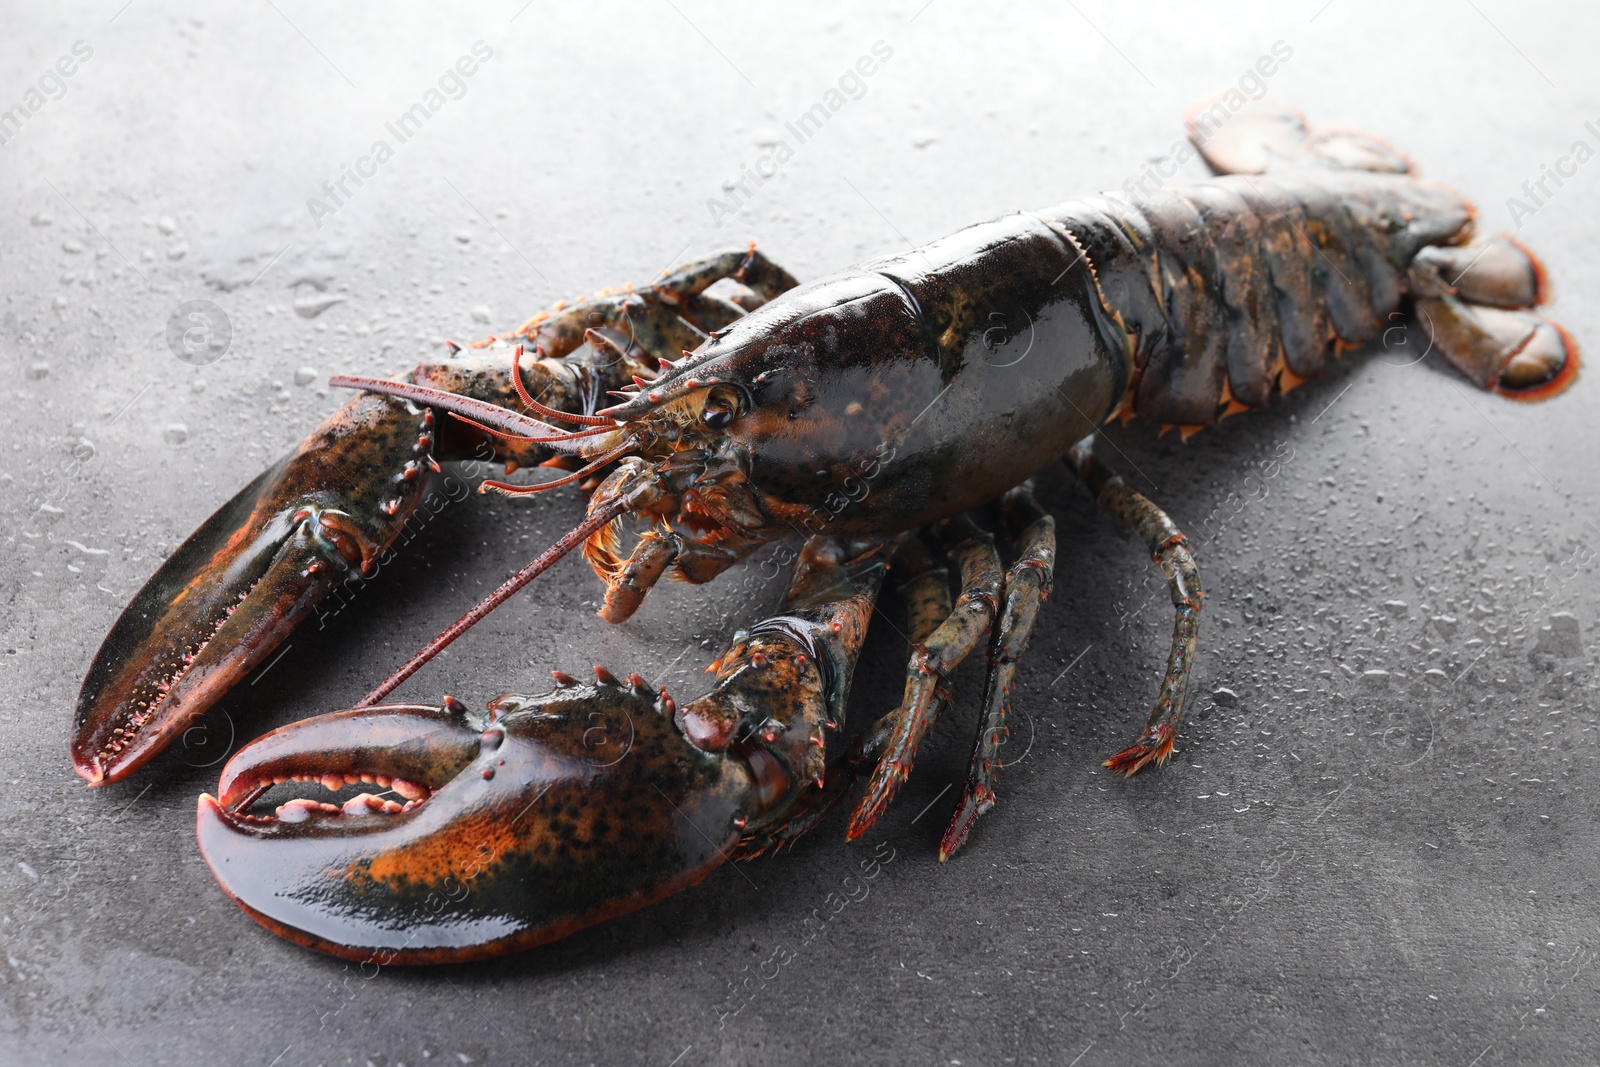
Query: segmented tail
(1471,295)
(1309,244)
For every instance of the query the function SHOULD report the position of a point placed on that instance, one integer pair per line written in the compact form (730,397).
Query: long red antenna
(595,431)
(489,414)
(527,574)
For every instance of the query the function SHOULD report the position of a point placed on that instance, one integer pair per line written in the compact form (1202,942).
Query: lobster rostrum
(880,412)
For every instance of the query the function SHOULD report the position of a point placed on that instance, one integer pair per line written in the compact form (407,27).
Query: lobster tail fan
(1239,136)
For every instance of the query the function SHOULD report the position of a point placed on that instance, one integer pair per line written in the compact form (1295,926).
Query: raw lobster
(873,411)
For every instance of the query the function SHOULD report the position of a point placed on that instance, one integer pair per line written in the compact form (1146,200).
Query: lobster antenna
(527,574)
(489,414)
(593,431)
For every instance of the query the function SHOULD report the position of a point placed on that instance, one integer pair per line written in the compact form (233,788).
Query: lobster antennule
(512,489)
(548,412)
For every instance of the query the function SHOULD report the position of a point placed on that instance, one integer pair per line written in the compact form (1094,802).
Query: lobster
(881,412)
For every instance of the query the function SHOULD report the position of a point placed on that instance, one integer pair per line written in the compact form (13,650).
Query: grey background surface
(1338,867)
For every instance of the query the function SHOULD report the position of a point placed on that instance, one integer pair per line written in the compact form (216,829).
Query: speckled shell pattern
(1225,284)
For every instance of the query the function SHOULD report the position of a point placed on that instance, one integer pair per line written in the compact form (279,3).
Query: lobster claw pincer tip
(317,521)
(558,812)
(217,609)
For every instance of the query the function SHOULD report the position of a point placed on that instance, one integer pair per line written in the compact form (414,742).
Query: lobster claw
(229,596)
(563,811)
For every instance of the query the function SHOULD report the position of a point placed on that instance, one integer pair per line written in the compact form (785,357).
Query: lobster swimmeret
(873,411)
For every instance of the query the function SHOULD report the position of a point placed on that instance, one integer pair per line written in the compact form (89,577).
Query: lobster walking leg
(668,317)
(924,587)
(1170,549)
(932,662)
(1027,584)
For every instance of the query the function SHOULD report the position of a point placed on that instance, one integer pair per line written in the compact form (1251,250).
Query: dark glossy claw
(562,811)
(559,811)
(229,596)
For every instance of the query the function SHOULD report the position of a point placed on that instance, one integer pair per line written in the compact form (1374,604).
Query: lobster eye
(721,406)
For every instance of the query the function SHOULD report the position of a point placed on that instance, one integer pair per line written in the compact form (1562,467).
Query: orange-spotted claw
(559,811)
(228,597)
(476,839)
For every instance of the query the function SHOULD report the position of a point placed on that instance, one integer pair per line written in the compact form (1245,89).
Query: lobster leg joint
(1170,550)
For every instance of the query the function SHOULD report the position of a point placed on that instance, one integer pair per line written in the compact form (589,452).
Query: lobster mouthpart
(562,811)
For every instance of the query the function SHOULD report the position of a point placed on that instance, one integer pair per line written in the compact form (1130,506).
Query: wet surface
(1376,840)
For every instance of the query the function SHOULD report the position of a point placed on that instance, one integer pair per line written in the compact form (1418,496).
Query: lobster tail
(1471,296)
(1472,300)
(1310,244)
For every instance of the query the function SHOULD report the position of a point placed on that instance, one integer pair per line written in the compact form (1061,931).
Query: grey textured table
(1377,846)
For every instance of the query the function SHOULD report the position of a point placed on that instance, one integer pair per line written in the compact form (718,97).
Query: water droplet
(309,307)
(1562,637)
